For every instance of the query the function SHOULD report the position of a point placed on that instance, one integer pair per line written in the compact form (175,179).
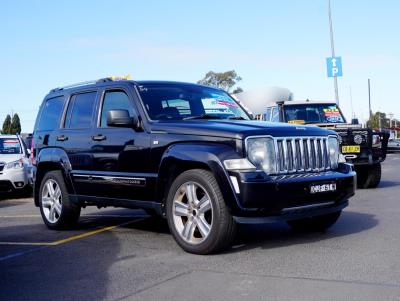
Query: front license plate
(350,149)
(323,188)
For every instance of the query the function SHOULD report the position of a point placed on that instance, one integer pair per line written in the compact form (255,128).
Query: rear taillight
(32,156)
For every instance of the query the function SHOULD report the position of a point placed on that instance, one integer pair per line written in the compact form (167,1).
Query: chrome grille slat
(301,154)
(285,155)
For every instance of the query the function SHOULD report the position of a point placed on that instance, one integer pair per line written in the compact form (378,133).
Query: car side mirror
(28,152)
(121,118)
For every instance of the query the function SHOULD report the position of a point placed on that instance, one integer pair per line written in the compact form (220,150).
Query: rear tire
(316,223)
(370,176)
(57,210)
(197,215)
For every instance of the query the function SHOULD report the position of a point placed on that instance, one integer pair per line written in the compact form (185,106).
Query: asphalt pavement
(122,254)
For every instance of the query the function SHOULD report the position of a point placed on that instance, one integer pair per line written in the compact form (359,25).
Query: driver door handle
(99,138)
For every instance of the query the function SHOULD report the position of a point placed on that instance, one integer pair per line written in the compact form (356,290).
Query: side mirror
(28,152)
(121,118)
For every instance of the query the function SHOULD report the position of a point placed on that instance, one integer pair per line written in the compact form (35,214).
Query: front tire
(316,223)
(57,210)
(197,215)
(370,176)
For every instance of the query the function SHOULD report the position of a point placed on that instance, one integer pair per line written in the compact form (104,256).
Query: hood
(7,158)
(236,129)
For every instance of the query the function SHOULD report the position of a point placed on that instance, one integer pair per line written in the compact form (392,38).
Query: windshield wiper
(202,116)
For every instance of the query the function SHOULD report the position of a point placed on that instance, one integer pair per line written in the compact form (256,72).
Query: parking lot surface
(122,254)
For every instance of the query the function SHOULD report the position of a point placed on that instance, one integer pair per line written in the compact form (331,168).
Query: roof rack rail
(91,82)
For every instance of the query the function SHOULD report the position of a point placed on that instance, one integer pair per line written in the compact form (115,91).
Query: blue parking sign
(334,66)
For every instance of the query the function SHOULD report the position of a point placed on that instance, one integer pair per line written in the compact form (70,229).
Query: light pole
(390,120)
(369,99)
(335,84)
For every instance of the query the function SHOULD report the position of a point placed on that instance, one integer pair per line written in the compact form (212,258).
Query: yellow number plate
(350,149)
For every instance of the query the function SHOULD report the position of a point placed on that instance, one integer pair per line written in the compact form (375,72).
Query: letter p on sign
(334,66)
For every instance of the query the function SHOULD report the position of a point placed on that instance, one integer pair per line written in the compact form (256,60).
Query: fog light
(19,184)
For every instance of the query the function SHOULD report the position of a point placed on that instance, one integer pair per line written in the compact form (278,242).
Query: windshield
(10,146)
(313,113)
(182,101)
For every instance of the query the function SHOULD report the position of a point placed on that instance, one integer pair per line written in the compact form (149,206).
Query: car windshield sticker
(226,103)
(332,114)
(297,121)
(10,143)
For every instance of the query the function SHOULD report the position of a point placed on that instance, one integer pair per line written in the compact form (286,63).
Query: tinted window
(115,100)
(51,113)
(80,111)
(313,113)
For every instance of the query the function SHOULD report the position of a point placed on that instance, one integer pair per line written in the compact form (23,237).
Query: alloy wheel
(192,212)
(51,201)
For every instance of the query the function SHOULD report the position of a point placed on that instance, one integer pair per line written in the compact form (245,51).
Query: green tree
(6,125)
(15,125)
(223,80)
(374,120)
(237,90)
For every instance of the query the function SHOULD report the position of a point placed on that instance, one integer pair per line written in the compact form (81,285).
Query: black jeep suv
(190,153)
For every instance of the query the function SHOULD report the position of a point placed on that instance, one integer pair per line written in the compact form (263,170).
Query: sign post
(333,52)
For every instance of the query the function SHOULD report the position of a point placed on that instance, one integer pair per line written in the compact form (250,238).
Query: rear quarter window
(51,114)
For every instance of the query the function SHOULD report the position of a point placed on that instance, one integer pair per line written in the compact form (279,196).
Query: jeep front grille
(297,154)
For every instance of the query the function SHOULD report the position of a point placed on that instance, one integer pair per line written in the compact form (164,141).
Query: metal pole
(369,100)
(380,126)
(390,120)
(335,84)
(351,103)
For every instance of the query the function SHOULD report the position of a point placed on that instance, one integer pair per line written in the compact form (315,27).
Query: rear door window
(51,115)
(80,111)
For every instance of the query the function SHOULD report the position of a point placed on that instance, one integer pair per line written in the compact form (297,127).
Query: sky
(46,44)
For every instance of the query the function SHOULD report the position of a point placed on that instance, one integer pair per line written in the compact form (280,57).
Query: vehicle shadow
(383,184)
(15,195)
(274,235)
(279,235)
(76,270)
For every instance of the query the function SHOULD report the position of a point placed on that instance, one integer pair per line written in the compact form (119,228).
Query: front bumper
(14,179)
(366,156)
(288,196)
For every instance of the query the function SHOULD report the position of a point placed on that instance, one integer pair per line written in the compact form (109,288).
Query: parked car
(15,167)
(188,152)
(394,145)
(363,147)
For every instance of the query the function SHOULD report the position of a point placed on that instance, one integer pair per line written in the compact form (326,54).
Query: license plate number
(323,188)
(350,149)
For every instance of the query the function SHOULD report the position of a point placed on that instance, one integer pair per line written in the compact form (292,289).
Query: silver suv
(15,166)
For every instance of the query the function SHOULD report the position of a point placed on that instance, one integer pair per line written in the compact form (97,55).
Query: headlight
(333,152)
(261,152)
(14,165)
(376,140)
